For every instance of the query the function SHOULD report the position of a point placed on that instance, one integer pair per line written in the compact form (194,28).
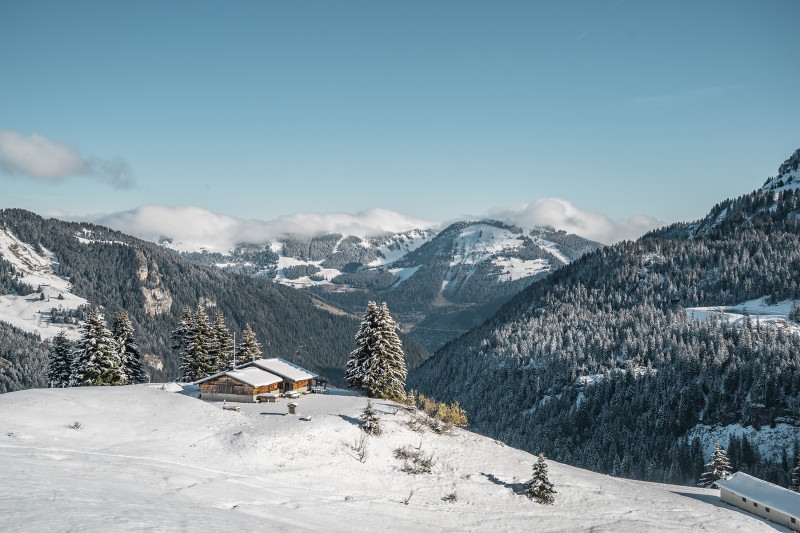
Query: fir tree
(197,362)
(96,358)
(795,483)
(539,487)
(377,366)
(59,366)
(249,348)
(794,312)
(222,351)
(129,352)
(370,423)
(718,468)
(182,335)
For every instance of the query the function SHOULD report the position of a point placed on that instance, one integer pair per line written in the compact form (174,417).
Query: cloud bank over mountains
(193,228)
(562,214)
(39,158)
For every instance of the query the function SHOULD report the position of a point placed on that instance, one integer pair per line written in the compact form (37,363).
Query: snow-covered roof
(763,492)
(283,368)
(255,377)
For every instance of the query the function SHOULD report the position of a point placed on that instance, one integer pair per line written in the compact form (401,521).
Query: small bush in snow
(360,447)
(415,461)
(77,426)
(451,498)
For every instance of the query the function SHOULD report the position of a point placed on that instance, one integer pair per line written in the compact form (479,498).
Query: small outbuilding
(239,385)
(294,378)
(761,498)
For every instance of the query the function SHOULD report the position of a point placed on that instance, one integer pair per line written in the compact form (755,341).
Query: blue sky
(432,109)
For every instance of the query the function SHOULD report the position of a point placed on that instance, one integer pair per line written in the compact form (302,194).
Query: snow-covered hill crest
(788,177)
(143,458)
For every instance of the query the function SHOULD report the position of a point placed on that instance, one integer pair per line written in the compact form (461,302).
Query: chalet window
(755,504)
(794,521)
(767,509)
(744,499)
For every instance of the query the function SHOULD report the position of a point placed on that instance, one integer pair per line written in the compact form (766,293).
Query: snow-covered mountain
(629,360)
(438,283)
(154,458)
(788,176)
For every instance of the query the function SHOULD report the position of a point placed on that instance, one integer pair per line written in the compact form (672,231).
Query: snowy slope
(31,313)
(774,315)
(145,458)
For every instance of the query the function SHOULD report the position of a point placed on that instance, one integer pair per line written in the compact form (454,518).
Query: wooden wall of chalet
(228,385)
(297,384)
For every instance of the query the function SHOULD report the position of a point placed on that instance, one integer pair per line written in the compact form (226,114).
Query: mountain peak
(788,175)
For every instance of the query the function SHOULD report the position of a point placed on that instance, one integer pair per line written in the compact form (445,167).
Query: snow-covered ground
(142,458)
(770,441)
(776,315)
(31,313)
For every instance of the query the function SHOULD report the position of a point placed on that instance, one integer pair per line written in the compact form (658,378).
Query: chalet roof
(283,368)
(763,492)
(255,377)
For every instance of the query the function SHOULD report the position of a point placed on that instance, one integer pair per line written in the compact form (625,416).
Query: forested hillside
(601,365)
(152,284)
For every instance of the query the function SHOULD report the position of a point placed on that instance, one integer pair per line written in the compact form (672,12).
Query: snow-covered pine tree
(794,312)
(223,343)
(370,423)
(129,352)
(539,487)
(197,362)
(718,468)
(181,336)
(59,364)
(249,348)
(355,370)
(795,483)
(377,366)
(96,359)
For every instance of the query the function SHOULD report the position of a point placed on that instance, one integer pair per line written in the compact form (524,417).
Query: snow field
(147,458)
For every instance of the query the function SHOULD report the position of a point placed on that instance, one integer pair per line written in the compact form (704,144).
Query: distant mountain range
(439,284)
(632,358)
(51,270)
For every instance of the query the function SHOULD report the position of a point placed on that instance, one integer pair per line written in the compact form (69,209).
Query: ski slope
(143,458)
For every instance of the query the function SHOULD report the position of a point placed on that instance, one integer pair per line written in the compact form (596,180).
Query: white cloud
(37,157)
(562,214)
(192,228)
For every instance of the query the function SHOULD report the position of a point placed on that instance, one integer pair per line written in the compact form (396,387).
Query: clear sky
(433,109)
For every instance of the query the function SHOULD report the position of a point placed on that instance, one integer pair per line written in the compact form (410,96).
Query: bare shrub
(415,461)
(360,447)
(451,498)
(77,426)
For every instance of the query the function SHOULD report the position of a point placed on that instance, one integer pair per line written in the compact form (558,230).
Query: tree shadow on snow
(713,499)
(517,488)
(354,421)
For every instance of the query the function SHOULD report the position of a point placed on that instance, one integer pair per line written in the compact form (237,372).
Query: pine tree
(377,366)
(249,348)
(222,351)
(96,358)
(794,312)
(59,365)
(129,352)
(370,423)
(182,335)
(539,487)
(197,363)
(718,468)
(795,483)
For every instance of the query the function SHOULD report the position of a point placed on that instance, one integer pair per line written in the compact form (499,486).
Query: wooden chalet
(761,498)
(239,385)
(294,378)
